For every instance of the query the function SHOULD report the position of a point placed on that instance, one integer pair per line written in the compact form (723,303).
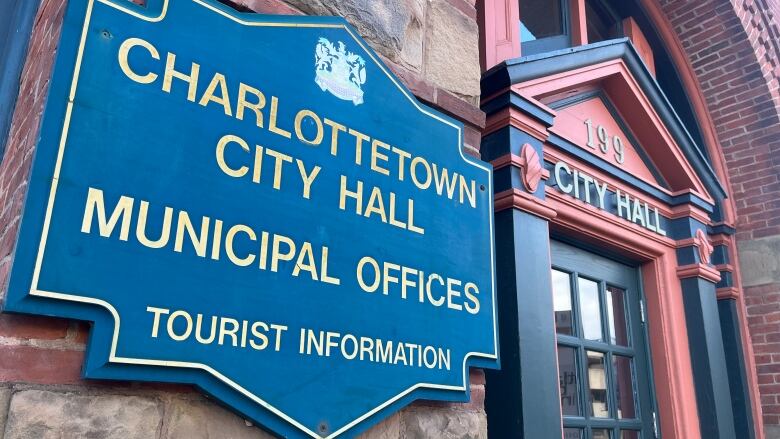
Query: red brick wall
(734,49)
(33,349)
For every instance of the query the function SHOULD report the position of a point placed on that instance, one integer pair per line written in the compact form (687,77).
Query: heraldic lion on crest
(339,71)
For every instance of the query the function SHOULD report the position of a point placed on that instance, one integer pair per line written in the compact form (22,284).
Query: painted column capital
(706,272)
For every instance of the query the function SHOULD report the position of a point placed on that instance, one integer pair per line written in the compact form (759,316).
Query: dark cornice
(514,100)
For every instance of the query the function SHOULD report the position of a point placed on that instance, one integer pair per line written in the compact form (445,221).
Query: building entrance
(605,378)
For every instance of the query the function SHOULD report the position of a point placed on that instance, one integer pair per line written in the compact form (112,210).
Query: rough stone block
(5,397)
(444,423)
(198,419)
(759,262)
(390,428)
(452,50)
(41,414)
(394,28)
(772,431)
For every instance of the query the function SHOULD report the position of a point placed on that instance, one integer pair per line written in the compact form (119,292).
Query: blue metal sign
(255,205)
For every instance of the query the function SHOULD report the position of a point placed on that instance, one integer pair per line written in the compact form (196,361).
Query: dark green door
(605,376)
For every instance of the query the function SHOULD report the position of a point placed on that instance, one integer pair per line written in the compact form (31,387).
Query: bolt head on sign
(256,205)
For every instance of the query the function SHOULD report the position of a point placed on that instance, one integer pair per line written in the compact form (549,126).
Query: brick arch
(727,54)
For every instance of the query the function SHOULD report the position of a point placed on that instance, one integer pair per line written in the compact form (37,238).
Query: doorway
(604,374)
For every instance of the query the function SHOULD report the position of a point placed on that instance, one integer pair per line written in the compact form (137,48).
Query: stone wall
(734,48)
(432,45)
(93,410)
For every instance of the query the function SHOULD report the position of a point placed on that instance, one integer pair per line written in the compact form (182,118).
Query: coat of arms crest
(339,71)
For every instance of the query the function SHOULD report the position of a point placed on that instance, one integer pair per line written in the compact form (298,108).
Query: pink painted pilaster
(579,27)
(499,25)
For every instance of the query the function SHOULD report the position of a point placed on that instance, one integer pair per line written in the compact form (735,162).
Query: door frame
(564,258)
(667,333)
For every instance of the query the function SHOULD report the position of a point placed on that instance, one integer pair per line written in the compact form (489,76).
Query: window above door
(544,25)
(547,25)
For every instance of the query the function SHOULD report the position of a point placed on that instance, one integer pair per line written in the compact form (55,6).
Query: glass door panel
(567,372)
(605,378)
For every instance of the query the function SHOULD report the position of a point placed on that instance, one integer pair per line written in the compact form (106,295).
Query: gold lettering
(307,179)
(433,301)
(263,250)
(392,219)
(230,236)
(223,331)
(401,156)
(426,183)
(257,169)
(123,209)
(241,171)
(140,229)
(471,291)
(223,98)
(171,73)
(277,255)
(376,205)
(356,195)
(443,180)
(187,330)
(243,104)
(156,323)
(305,262)
(124,51)
(262,337)
(299,130)
(272,123)
(280,159)
(377,278)
(378,156)
(359,138)
(324,274)
(387,278)
(470,194)
(216,240)
(334,135)
(198,241)
(412,227)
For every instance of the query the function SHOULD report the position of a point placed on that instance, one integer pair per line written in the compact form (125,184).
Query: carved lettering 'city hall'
(596,193)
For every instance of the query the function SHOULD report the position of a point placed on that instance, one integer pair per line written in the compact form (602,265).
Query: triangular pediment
(592,122)
(609,84)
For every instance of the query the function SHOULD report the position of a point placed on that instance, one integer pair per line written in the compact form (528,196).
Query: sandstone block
(198,419)
(41,414)
(5,397)
(759,262)
(393,28)
(444,423)
(390,428)
(452,50)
